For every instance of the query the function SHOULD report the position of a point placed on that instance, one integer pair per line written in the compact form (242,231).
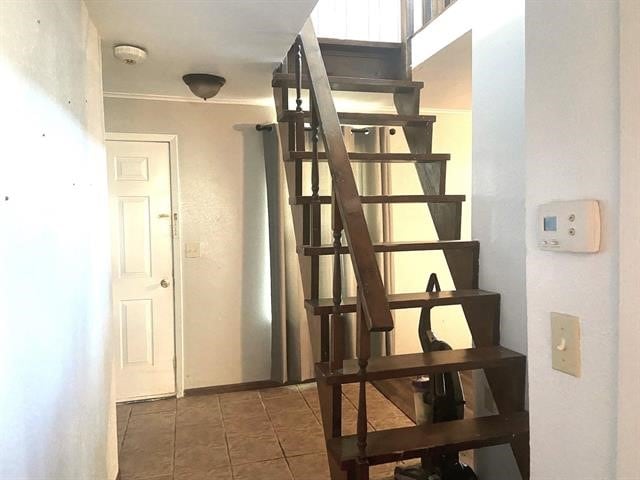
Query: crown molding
(258,102)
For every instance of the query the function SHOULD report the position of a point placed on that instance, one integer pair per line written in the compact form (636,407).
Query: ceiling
(447,77)
(242,40)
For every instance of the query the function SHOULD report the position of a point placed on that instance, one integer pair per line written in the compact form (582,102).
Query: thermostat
(569,226)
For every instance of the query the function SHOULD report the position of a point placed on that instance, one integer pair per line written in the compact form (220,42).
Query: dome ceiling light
(129,54)
(204,85)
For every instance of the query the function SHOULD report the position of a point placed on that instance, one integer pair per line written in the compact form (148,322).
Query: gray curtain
(295,348)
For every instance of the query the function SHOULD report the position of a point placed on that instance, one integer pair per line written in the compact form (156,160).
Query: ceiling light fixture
(129,54)
(204,85)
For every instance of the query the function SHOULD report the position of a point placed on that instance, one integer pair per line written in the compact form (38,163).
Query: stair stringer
(507,384)
(448,225)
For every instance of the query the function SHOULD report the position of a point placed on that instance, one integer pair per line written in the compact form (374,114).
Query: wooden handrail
(374,298)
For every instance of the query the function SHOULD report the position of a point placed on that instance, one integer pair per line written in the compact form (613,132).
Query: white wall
(57,414)
(227,297)
(572,150)
(498,213)
(452,134)
(629,332)
(373,20)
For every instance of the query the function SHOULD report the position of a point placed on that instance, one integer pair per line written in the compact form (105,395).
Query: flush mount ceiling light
(204,85)
(129,54)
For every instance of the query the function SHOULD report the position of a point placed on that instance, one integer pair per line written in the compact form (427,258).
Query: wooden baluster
(298,75)
(315,202)
(300,144)
(363,354)
(337,323)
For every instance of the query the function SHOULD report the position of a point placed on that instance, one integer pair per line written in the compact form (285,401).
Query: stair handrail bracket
(374,299)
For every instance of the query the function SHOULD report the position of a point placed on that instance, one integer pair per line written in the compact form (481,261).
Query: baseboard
(239,387)
(236,387)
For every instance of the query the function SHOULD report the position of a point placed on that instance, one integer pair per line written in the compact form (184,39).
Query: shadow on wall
(55,283)
(256,278)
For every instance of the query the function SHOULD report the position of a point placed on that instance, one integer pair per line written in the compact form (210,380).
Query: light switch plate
(192,249)
(565,343)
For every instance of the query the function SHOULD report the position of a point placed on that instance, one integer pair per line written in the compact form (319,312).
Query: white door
(142,268)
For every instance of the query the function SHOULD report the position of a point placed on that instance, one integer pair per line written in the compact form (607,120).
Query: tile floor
(272,434)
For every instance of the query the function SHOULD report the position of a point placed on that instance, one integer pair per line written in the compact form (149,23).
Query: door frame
(172,141)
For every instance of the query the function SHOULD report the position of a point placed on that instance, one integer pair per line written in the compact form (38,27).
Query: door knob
(164,283)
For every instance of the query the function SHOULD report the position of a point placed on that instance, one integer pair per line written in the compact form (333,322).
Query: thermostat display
(550,224)
(569,226)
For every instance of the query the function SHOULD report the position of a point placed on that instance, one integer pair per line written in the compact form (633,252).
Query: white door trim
(172,140)
(628,460)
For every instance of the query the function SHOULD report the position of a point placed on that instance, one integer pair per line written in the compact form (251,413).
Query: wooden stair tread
(413,364)
(386,157)
(353,118)
(413,246)
(398,301)
(385,446)
(358,44)
(350,84)
(304,199)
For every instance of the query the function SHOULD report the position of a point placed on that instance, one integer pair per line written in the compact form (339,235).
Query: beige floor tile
(195,401)
(278,392)
(222,473)
(351,427)
(289,403)
(152,424)
(154,406)
(161,477)
(351,390)
(123,411)
(146,459)
(199,416)
(386,423)
(246,409)
(244,449)
(255,426)
(309,467)
(312,400)
(297,419)
(300,442)
(143,441)
(201,434)
(239,396)
(269,470)
(200,458)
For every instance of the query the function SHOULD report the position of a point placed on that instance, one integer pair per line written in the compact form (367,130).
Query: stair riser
(413,442)
(356,61)
(514,364)
(491,301)
(411,454)
(368,119)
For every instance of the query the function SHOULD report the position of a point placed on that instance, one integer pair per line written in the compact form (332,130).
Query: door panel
(141,234)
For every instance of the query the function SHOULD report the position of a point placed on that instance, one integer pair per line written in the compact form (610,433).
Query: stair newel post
(337,325)
(363,354)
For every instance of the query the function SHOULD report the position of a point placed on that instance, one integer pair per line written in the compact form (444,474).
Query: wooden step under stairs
(322,66)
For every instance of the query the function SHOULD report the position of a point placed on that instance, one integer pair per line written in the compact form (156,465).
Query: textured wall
(499,179)
(572,151)
(227,309)
(57,418)
(629,333)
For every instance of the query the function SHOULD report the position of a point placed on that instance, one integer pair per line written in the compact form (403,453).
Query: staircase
(322,66)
